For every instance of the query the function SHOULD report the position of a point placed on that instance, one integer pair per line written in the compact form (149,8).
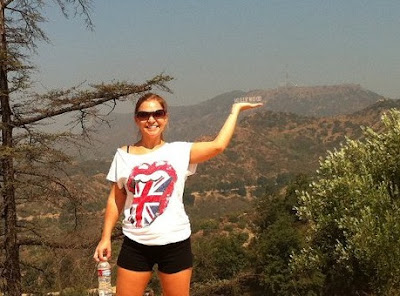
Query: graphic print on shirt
(152,186)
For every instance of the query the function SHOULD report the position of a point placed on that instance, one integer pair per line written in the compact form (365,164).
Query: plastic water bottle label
(106,272)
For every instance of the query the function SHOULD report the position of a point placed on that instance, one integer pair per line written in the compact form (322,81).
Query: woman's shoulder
(124,152)
(180,146)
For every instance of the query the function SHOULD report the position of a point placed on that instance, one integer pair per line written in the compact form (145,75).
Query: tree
(219,257)
(277,235)
(31,166)
(352,208)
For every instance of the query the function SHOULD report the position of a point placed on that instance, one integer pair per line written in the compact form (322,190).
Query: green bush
(353,208)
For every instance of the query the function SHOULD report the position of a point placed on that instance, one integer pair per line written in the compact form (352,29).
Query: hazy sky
(212,47)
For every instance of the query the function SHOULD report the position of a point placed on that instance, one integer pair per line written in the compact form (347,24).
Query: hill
(189,123)
(318,101)
(271,145)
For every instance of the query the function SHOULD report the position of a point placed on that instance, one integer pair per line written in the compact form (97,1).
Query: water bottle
(104,276)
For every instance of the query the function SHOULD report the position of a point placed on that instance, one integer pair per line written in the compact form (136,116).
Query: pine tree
(29,159)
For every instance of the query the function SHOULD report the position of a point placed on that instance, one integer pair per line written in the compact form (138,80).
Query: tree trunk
(12,271)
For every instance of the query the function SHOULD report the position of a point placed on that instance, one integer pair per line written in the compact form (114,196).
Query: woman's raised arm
(202,151)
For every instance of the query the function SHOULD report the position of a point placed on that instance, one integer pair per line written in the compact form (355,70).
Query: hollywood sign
(257,99)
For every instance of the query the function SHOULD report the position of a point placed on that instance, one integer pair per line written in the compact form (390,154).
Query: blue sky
(211,47)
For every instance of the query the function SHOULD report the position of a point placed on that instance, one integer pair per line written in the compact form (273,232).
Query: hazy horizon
(213,47)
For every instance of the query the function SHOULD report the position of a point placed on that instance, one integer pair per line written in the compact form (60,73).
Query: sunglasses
(144,115)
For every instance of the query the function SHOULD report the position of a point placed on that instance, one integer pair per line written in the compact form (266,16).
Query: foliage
(209,225)
(238,286)
(49,269)
(219,257)
(352,207)
(188,198)
(278,234)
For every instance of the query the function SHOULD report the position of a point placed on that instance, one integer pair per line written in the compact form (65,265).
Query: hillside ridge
(188,123)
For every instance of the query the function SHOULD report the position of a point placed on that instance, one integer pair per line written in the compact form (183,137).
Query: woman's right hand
(103,250)
(237,107)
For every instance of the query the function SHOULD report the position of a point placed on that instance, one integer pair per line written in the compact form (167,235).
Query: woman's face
(151,119)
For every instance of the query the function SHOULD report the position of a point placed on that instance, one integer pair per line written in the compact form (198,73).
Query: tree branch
(84,100)
(84,6)
(8,2)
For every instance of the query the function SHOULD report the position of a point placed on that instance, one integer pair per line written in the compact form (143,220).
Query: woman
(148,182)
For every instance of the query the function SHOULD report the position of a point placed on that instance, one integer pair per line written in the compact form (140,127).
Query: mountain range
(288,135)
(189,123)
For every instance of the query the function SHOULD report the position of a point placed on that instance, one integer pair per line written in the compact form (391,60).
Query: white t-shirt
(154,213)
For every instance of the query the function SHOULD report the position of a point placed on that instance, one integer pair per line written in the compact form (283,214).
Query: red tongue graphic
(152,186)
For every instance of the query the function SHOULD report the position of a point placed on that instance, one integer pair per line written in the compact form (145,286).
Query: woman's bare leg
(176,284)
(132,283)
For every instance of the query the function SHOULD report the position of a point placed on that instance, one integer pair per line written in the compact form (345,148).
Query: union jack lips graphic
(152,186)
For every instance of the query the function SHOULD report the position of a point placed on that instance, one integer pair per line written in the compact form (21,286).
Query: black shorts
(170,258)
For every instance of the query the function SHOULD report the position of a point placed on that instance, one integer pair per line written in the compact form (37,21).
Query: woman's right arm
(115,205)
(202,151)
